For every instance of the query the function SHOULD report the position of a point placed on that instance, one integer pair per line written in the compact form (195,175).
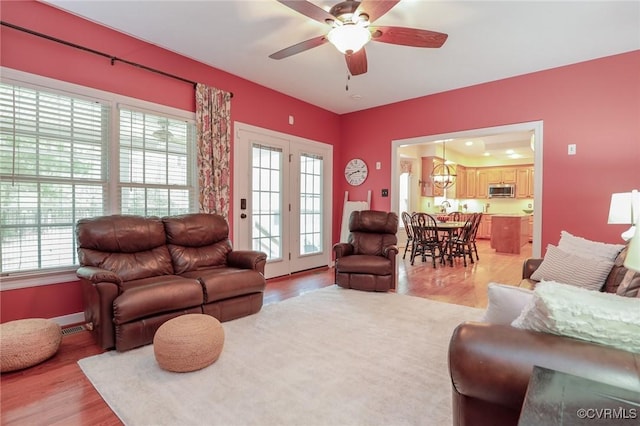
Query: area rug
(327,357)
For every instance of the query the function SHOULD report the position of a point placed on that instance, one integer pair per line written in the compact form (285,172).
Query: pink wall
(252,104)
(594,104)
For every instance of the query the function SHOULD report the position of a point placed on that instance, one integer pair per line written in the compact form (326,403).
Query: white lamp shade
(349,37)
(632,261)
(624,208)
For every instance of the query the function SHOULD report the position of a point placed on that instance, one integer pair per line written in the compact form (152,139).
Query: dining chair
(426,238)
(476,225)
(462,244)
(455,216)
(406,220)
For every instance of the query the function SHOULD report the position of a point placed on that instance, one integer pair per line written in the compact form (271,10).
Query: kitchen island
(509,232)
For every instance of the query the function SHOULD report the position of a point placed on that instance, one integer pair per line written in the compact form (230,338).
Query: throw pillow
(567,268)
(583,314)
(506,302)
(587,248)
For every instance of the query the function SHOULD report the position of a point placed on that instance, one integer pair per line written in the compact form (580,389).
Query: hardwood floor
(56,392)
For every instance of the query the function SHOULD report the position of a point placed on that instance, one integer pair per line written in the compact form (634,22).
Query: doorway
(536,127)
(282,200)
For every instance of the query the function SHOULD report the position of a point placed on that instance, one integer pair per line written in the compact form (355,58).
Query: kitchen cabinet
(482,186)
(427,188)
(461,182)
(471,182)
(509,233)
(501,175)
(524,182)
(484,230)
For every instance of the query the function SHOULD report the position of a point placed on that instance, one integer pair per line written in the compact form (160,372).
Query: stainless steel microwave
(503,190)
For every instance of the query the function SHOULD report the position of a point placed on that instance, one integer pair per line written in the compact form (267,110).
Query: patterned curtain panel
(213,122)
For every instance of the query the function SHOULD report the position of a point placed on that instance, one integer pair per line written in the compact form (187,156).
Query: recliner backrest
(134,247)
(371,231)
(197,240)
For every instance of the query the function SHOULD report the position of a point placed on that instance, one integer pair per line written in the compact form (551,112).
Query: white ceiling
(488,40)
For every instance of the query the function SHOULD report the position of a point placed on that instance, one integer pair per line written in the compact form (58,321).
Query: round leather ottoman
(188,342)
(27,342)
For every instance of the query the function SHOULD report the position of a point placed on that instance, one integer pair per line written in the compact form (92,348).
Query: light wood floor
(56,392)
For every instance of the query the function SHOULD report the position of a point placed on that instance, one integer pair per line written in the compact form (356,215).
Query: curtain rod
(112,58)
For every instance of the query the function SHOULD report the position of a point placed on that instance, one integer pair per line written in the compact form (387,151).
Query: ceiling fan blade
(376,8)
(309,10)
(357,62)
(408,36)
(300,47)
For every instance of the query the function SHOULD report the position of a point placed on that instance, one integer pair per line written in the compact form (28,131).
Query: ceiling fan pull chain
(346,87)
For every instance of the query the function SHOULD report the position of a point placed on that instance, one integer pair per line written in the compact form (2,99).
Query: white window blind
(60,162)
(156,164)
(52,172)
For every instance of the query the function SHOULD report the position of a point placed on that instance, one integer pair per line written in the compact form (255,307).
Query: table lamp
(624,209)
(632,261)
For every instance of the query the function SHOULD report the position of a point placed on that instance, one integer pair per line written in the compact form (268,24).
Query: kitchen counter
(509,232)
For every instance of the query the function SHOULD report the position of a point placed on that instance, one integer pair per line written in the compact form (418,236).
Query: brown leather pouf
(188,343)
(27,342)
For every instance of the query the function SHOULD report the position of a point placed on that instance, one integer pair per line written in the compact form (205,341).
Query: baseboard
(71,319)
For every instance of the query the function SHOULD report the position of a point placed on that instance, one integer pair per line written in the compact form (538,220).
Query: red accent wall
(252,104)
(595,104)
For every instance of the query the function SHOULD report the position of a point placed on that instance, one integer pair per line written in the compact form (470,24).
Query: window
(156,167)
(61,160)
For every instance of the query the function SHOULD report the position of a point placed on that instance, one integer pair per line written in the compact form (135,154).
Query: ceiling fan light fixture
(349,37)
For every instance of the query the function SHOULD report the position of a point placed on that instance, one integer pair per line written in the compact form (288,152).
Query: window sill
(37,279)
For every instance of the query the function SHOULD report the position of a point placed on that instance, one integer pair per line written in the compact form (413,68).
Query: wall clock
(356,172)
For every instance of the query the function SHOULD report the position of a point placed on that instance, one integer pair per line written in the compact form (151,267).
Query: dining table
(450,227)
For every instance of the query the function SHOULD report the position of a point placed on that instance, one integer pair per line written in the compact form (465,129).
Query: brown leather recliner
(138,272)
(368,260)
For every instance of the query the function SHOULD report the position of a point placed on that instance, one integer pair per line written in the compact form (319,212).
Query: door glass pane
(266,210)
(310,204)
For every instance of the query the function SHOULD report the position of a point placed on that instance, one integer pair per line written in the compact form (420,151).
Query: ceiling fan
(351,30)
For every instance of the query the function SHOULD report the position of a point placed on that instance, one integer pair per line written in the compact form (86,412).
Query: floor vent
(73,330)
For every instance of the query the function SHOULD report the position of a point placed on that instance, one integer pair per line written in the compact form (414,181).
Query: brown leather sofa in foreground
(368,260)
(490,364)
(138,272)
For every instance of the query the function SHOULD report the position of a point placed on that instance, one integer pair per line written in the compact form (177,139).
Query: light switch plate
(571,149)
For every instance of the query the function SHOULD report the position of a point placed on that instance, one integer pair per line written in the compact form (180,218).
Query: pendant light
(443,175)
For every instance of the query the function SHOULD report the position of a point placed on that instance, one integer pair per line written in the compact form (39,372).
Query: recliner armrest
(390,251)
(529,266)
(342,249)
(97,275)
(247,259)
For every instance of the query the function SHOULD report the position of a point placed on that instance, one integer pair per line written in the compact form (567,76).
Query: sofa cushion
(506,302)
(586,248)
(623,281)
(223,283)
(364,264)
(133,247)
(197,241)
(583,314)
(152,296)
(567,268)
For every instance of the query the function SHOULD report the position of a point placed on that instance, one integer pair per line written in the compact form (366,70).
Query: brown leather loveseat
(490,364)
(138,272)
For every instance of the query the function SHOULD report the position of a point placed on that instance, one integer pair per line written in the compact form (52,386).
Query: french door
(282,199)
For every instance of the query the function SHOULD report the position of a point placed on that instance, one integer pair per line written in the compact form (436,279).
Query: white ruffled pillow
(568,268)
(587,248)
(570,311)
(506,302)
